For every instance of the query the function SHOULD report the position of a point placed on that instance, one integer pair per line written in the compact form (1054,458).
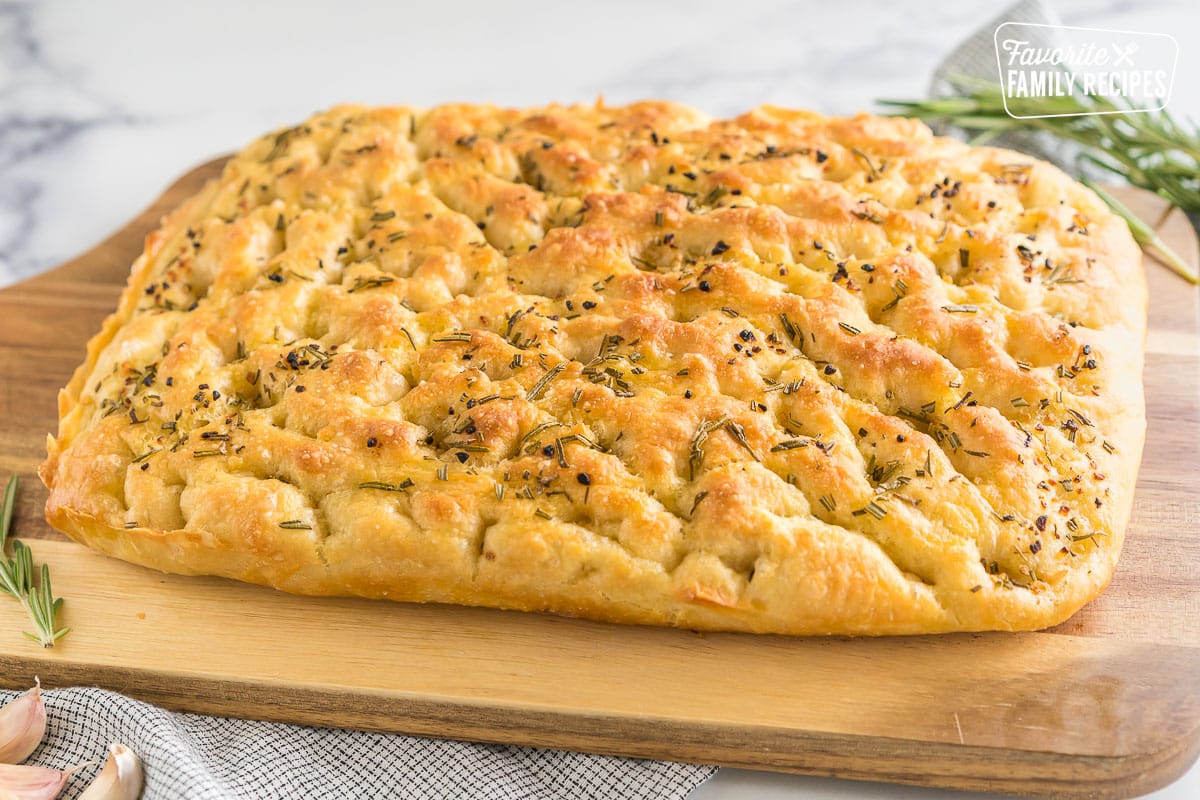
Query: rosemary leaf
(10,497)
(17,578)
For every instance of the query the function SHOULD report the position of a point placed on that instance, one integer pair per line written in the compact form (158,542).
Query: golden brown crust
(778,373)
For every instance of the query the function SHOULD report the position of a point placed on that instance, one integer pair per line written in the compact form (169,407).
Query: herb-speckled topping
(781,372)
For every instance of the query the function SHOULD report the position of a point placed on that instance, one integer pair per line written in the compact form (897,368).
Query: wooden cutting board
(1107,705)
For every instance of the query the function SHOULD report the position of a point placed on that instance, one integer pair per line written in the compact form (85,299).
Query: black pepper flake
(216,395)
(1036,546)
(372,441)
(746,336)
(1040,522)
(299,389)
(584,479)
(461,456)
(822,156)
(704,286)
(589,305)
(830,369)
(719,247)
(548,450)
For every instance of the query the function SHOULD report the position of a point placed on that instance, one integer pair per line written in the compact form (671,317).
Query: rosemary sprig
(17,578)
(1145,235)
(1150,150)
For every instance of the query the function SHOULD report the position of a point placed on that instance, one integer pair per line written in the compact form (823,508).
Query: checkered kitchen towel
(193,756)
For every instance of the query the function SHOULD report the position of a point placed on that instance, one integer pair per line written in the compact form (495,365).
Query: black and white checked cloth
(211,758)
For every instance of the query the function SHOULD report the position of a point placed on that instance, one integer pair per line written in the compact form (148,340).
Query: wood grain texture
(1106,705)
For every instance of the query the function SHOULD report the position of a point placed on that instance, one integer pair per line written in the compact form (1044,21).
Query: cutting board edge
(1027,773)
(133,231)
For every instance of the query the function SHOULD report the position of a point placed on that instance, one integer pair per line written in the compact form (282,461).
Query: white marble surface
(103,103)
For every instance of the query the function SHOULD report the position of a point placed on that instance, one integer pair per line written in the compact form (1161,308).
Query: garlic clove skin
(31,783)
(121,778)
(22,726)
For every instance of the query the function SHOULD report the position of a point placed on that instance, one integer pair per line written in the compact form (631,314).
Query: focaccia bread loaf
(781,373)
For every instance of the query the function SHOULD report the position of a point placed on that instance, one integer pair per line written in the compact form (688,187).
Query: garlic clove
(121,778)
(31,783)
(22,726)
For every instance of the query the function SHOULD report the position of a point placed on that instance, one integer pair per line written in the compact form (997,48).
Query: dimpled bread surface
(778,373)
